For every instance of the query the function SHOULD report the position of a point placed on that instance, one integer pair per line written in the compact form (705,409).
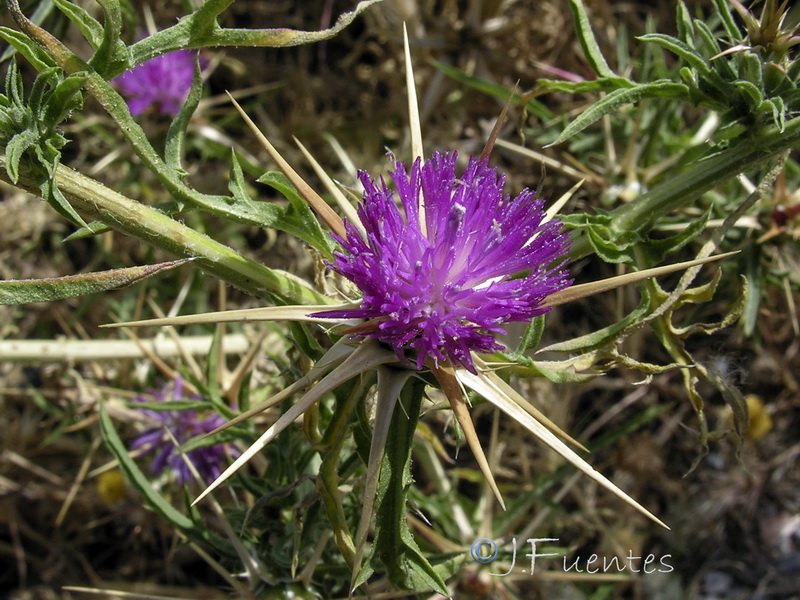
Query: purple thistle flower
(163,82)
(183,425)
(486,260)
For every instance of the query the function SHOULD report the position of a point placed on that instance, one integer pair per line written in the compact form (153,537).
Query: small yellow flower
(111,486)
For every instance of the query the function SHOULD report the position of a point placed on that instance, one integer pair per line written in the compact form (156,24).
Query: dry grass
(735,523)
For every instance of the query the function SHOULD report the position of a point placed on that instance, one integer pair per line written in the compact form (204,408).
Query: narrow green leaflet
(690,56)
(588,42)
(619,98)
(492,89)
(28,48)
(607,84)
(112,53)
(173,147)
(728,22)
(23,291)
(90,28)
(529,339)
(683,22)
(299,220)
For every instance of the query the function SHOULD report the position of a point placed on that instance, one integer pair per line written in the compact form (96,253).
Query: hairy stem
(157,229)
(642,213)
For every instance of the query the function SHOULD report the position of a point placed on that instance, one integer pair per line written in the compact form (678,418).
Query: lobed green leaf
(112,53)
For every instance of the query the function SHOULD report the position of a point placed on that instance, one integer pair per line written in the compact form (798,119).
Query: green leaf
(90,28)
(656,250)
(173,149)
(238,189)
(28,48)
(112,52)
(750,94)
(394,543)
(14,89)
(603,337)
(24,291)
(307,343)
(728,22)
(778,111)
(65,97)
(607,84)
(683,21)
(755,277)
(135,477)
(610,245)
(42,11)
(751,69)
(299,220)
(15,148)
(620,98)
(709,39)
(492,89)
(170,405)
(200,29)
(56,199)
(776,80)
(530,339)
(690,56)
(591,49)
(40,85)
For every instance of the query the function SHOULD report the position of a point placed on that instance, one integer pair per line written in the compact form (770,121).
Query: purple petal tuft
(486,260)
(163,82)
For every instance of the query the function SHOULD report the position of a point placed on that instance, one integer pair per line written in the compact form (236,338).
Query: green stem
(685,188)
(200,30)
(158,229)
(328,481)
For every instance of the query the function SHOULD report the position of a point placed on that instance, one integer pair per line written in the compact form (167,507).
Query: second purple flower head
(163,82)
(180,426)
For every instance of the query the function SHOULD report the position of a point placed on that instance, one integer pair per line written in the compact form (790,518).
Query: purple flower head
(183,425)
(163,82)
(485,260)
